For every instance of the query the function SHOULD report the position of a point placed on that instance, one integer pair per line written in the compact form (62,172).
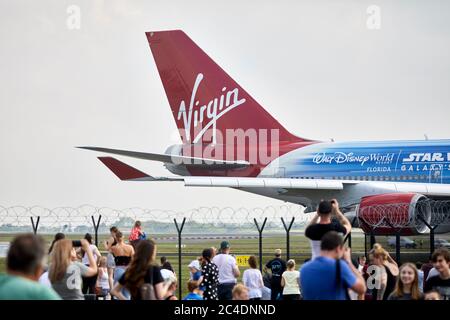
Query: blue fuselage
(425,161)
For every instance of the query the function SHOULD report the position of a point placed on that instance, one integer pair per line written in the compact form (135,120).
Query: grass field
(299,248)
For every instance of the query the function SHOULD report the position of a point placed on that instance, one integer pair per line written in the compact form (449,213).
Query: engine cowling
(394,212)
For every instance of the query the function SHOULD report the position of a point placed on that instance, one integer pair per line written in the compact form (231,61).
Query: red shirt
(134,235)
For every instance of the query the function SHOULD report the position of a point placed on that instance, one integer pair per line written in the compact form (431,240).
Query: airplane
(229,140)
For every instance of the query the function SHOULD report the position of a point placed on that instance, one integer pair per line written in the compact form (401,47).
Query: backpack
(147,290)
(142,236)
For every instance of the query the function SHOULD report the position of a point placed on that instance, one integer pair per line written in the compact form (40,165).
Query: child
(195,270)
(136,234)
(289,282)
(102,278)
(194,293)
(432,295)
(407,286)
(240,292)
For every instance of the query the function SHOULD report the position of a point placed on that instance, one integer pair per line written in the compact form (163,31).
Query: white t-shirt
(85,259)
(360,268)
(103,280)
(226,264)
(291,282)
(253,280)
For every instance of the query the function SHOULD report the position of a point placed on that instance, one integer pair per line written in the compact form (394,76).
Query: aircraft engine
(388,213)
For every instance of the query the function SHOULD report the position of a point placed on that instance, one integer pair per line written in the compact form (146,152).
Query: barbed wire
(214,219)
(79,219)
(406,215)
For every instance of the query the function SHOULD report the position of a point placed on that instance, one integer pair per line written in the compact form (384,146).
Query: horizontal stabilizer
(127,173)
(174,159)
(122,170)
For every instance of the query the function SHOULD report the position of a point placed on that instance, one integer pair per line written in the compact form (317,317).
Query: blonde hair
(379,252)
(102,262)
(239,289)
(290,264)
(61,254)
(399,287)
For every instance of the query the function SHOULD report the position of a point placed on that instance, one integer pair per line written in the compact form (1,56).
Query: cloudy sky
(314,65)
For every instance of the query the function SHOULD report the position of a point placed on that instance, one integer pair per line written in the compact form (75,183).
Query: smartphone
(76,243)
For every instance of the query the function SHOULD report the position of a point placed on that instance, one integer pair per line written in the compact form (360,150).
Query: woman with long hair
(387,269)
(65,272)
(142,273)
(89,282)
(110,264)
(122,257)
(407,286)
(210,276)
(43,279)
(58,236)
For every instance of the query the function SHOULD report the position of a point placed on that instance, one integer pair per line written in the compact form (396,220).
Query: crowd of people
(76,270)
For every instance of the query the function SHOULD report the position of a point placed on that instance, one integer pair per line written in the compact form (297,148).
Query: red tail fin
(203,96)
(122,170)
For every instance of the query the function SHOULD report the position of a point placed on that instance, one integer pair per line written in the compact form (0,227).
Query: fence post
(372,239)
(96,226)
(431,232)
(179,230)
(349,239)
(397,247)
(260,230)
(397,242)
(365,246)
(288,241)
(35,225)
(349,236)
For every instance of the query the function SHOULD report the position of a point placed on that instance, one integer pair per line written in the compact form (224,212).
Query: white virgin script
(210,111)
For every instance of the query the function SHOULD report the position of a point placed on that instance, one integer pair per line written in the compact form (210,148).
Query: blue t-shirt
(318,279)
(193,296)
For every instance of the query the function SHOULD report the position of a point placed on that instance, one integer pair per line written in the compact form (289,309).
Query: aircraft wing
(174,159)
(128,173)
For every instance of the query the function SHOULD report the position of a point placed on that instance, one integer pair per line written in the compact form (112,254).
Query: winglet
(122,170)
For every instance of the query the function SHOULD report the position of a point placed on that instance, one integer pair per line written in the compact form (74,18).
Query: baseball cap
(278,252)
(224,245)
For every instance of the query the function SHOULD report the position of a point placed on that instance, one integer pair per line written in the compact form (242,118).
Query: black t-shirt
(440,285)
(152,276)
(316,231)
(277,266)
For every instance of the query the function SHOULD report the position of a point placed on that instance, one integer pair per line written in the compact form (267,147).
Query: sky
(318,67)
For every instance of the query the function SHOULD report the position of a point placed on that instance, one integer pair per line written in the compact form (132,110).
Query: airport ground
(247,244)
